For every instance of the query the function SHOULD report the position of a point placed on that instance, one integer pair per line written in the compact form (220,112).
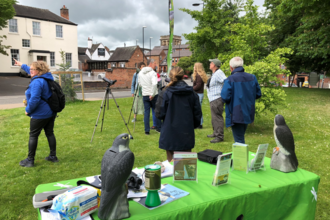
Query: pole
(150,48)
(143,43)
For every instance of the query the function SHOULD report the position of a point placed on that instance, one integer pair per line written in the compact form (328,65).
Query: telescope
(111,82)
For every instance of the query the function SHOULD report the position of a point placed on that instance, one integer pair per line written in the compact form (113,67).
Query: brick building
(165,39)
(123,64)
(159,56)
(178,51)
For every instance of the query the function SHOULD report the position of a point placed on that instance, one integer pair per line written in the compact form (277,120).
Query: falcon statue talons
(117,164)
(284,157)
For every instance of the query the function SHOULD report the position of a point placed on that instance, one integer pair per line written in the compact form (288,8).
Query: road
(12,90)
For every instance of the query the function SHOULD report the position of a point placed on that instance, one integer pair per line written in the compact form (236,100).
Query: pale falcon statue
(117,164)
(284,157)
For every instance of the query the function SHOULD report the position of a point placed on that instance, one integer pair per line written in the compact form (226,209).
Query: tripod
(136,94)
(105,102)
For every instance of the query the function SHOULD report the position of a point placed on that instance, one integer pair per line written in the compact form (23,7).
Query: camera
(111,82)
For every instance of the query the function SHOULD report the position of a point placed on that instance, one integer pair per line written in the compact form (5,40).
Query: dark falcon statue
(117,164)
(284,158)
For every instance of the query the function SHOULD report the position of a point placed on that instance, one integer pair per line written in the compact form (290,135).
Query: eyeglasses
(33,69)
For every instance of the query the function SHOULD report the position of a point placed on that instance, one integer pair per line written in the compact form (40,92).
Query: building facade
(165,40)
(38,34)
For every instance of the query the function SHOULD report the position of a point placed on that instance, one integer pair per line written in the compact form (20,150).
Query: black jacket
(180,109)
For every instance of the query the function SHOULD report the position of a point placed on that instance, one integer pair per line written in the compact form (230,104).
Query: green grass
(307,114)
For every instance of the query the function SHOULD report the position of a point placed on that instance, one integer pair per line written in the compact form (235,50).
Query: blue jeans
(239,132)
(201,96)
(147,105)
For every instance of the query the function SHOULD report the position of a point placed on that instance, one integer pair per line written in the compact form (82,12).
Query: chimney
(64,12)
(90,43)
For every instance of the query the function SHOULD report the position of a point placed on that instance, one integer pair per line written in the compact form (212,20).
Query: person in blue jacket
(179,107)
(240,92)
(42,117)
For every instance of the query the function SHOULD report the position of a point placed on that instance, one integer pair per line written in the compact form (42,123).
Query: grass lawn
(307,114)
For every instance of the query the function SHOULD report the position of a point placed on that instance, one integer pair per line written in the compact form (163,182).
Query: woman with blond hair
(42,117)
(179,107)
(199,79)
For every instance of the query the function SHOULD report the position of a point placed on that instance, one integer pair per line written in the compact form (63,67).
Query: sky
(117,22)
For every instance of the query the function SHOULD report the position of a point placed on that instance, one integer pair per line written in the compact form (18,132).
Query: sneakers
(147,132)
(153,127)
(27,163)
(216,140)
(158,130)
(52,159)
(200,127)
(134,120)
(211,136)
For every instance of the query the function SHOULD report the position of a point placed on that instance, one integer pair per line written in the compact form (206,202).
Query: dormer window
(101,51)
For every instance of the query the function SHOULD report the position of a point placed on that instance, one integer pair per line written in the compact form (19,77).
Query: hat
(216,62)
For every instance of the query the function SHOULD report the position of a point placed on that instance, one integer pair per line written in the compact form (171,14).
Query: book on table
(240,157)
(185,166)
(257,162)
(167,194)
(221,175)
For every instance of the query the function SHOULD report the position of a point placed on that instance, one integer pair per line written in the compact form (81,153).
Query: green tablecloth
(262,195)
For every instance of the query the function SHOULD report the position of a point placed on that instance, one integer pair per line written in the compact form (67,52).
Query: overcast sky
(115,22)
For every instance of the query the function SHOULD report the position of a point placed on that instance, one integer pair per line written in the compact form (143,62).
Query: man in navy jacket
(239,92)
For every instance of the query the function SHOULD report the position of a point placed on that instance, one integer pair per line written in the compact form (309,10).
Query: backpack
(56,101)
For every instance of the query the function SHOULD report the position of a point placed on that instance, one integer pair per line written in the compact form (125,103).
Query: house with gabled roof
(38,34)
(94,57)
(123,64)
(159,55)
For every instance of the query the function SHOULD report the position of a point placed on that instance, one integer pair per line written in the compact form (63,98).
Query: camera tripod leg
(129,117)
(113,97)
(106,103)
(104,99)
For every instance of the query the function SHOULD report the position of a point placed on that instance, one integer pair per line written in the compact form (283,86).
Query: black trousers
(36,126)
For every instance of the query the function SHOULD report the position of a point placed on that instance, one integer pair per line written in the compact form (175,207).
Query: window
(113,64)
(160,57)
(36,28)
(52,58)
(172,60)
(68,58)
(25,43)
(59,31)
(14,55)
(13,25)
(122,64)
(176,60)
(101,51)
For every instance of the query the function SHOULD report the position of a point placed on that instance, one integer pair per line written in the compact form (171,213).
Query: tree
(303,26)
(66,80)
(7,12)
(186,64)
(209,41)
(251,44)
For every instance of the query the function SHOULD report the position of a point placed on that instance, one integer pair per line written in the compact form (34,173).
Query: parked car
(101,75)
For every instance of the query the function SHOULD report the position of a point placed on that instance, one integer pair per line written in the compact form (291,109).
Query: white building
(94,56)
(38,34)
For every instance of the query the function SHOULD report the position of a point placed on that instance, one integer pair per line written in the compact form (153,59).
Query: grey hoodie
(148,80)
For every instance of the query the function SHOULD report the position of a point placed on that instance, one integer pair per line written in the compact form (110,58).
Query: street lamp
(143,40)
(150,48)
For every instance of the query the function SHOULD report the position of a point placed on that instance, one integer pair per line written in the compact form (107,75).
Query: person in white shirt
(148,81)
